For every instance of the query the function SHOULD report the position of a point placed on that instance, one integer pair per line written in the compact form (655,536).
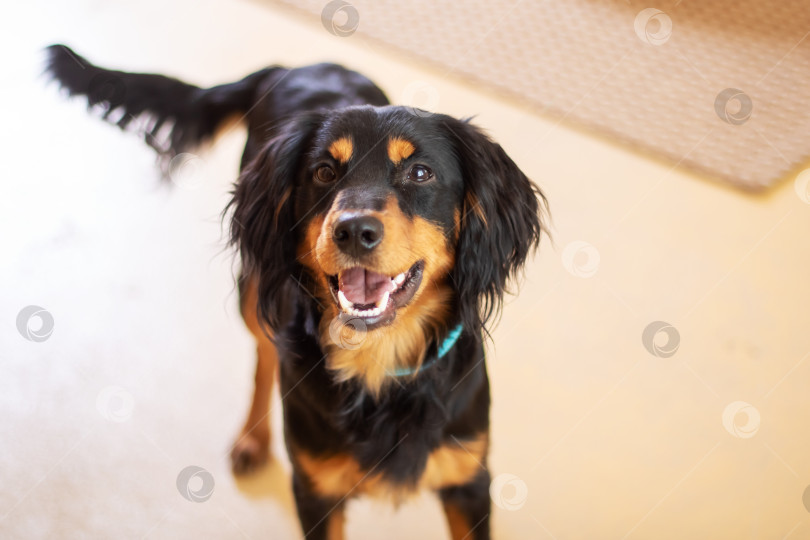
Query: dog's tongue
(363,286)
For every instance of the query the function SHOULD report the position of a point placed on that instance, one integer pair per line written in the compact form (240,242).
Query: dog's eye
(325,174)
(420,173)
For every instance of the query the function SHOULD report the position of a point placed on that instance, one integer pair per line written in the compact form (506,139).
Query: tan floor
(148,370)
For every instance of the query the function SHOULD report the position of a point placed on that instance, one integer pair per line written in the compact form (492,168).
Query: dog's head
(399,221)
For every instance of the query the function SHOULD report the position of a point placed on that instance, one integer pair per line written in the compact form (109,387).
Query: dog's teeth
(344,303)
(348,307)
(400,279)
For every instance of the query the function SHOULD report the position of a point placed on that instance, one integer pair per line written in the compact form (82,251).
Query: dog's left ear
(502,218)
(263,224)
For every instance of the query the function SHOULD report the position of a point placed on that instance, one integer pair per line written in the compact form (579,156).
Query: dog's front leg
(467,508)
(251,449)
(321,518)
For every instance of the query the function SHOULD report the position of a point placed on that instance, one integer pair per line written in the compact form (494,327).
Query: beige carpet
(719,87)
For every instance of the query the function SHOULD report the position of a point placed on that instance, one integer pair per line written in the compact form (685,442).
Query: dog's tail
(176,116)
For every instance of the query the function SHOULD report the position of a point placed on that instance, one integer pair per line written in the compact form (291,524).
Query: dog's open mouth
(374,297)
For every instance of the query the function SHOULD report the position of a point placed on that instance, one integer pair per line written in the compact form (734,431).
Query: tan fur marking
(459,526)
(453,464)
(404,242)
(472,204)
(399,149)
(403,343)
(306,249)
(306,256)
(336,524)
(335,476)
(449,465)
(248,307)
(342,149)
(254,440)
(385,349)
(229,124)
(284,198)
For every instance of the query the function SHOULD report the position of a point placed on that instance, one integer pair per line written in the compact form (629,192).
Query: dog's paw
(250,452)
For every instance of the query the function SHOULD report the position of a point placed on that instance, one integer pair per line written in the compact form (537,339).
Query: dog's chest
(345,441)
(395,446)
(454,462)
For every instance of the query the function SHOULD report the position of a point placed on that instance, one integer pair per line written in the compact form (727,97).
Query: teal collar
(445,347)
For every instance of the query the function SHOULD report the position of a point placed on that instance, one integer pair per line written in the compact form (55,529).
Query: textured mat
(721,87)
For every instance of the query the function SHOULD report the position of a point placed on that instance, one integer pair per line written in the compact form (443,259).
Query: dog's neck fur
(376,355)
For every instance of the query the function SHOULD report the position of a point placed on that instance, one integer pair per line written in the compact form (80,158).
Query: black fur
(292,115)
(263,224)
(192,114)
(491,253)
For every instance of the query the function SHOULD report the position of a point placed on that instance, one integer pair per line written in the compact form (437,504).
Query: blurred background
(649,381)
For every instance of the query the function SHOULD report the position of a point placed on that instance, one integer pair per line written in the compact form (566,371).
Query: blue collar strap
(445,347)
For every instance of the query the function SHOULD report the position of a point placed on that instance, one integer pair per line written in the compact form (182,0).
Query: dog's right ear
(263,220)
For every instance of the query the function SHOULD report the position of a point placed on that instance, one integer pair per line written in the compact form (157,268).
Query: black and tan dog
(376,242)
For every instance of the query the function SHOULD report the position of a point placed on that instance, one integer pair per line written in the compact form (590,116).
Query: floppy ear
(263,225)
(501,223)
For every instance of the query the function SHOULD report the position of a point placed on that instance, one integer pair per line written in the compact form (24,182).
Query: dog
(376,243)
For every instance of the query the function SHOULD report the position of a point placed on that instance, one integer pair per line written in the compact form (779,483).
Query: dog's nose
(357,235)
